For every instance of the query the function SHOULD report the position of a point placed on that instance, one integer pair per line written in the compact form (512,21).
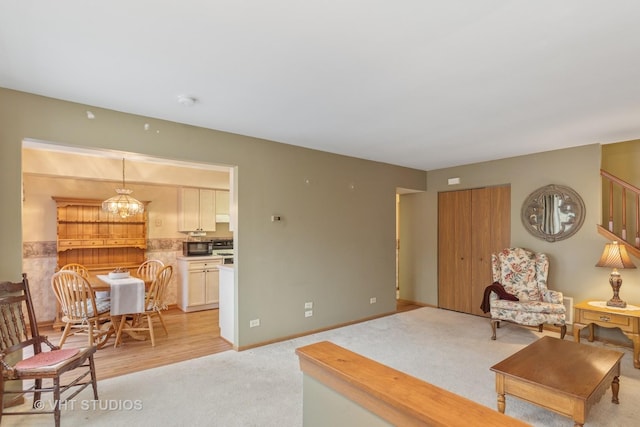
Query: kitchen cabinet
(472,224)
(196,209)
(222,206)
(97,239)
(199,283)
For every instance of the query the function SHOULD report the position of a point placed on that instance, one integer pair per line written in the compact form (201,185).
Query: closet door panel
(501,218)
(481,246)
(454,250)
(491,218)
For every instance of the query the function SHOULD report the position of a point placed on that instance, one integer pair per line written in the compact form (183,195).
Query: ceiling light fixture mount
(123,204)
(187,101)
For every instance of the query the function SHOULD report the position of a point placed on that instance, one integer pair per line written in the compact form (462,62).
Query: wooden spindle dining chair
(78,268)
(149,269)
(23,358)
(82,313)
(154,304)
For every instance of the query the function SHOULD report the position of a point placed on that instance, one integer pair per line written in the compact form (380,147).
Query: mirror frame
(533,208)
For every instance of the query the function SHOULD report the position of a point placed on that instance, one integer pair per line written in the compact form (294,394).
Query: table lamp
(615,256)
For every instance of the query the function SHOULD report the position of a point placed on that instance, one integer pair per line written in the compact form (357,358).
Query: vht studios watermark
(90,405)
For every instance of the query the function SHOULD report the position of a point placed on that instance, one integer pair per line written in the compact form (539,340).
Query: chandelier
(123,204)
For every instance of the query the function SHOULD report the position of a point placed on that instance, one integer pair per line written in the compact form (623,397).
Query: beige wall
(572,261)
(335,245)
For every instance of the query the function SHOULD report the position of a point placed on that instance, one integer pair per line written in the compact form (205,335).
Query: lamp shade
(615,256)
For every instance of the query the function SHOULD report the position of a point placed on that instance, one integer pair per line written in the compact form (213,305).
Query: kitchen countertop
(199,257)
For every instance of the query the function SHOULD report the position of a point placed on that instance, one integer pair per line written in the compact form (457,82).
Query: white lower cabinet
(199,283)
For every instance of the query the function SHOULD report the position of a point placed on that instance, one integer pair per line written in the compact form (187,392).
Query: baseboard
(315,331)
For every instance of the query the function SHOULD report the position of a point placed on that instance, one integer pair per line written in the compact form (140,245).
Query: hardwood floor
(402,305)
(191,335)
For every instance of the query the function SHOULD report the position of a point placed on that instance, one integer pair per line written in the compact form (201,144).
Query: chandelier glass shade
(123,204)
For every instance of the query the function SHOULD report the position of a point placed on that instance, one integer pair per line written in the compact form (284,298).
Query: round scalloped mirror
(553,213)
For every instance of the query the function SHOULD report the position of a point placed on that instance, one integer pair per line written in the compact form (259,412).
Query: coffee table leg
(500,390)
(615,387)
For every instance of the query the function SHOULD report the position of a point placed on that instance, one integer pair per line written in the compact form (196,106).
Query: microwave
(197,248)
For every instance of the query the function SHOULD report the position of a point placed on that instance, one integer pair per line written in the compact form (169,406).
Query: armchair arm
(45,339)
(9,371)
(554,297)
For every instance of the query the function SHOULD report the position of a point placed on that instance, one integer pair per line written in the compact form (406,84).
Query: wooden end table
(590,313)
(563,376)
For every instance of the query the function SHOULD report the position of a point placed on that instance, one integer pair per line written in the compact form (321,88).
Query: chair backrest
(522,273)
(15,334)
(158,290)
(75,295)
(78,268)
(150,268)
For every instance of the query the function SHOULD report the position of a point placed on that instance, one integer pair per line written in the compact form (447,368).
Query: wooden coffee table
(562,376)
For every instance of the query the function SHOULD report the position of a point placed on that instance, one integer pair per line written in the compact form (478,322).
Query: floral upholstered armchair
(523,274)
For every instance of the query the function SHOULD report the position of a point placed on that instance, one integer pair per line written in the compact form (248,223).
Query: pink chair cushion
(47,358)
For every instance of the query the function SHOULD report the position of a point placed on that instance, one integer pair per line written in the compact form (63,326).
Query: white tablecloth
(127,295)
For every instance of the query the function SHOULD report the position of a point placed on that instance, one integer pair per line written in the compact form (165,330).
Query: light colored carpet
(263,386)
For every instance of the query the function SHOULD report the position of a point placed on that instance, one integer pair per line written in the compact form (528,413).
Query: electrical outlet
(372,300)
(308,313)
(308,305)
(253,323)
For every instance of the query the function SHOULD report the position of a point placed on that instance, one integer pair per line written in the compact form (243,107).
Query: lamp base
(616,282)
(616,303)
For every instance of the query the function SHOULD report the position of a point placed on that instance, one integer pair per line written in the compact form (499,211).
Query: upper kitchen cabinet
(222,206)
(196,209)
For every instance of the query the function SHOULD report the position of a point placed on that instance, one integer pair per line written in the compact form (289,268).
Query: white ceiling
(419,83)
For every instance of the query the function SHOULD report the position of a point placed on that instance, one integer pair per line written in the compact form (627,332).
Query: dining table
(100,285)
(127,295)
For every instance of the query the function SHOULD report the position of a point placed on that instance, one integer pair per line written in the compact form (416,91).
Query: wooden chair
(82,313)
(149,268)
(16,338)
(78,268)
(154,304)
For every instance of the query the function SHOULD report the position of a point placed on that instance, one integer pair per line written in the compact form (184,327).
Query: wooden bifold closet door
(472,224)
